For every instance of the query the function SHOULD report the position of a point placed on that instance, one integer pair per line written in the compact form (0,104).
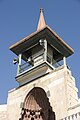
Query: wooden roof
(43,31)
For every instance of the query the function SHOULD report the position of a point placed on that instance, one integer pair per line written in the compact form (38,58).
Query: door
(37,106)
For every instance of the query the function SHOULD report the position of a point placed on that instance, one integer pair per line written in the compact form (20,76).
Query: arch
(37,106)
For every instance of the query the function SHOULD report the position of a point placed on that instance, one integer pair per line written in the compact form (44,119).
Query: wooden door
(37,106)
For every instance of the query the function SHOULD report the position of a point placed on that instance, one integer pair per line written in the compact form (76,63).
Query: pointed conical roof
(41,23)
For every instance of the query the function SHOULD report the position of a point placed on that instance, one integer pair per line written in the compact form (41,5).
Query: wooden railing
(75,116)
(25,66)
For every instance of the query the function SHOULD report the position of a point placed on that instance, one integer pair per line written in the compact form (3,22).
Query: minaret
(45,82)
(40,52)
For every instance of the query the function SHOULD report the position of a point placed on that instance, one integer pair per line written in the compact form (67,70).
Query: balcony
(39,59)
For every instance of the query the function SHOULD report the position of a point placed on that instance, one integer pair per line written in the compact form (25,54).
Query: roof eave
(60,40)
(14,47)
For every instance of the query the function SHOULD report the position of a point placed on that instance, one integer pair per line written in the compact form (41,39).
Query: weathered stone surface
(3,112)
(62,94)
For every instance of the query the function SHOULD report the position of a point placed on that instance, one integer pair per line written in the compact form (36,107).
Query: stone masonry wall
(3,112)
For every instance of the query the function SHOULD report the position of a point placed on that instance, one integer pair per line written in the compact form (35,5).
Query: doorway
(37,106)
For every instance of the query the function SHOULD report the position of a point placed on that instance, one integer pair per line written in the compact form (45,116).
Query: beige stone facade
(60,88)
(3,112)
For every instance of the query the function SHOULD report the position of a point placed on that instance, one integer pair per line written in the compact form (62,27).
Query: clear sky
(19,18)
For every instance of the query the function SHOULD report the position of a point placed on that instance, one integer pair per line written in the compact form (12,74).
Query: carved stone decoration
(37,106)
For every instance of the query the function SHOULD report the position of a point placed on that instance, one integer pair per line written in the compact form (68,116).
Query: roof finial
(41,10)
(41,23)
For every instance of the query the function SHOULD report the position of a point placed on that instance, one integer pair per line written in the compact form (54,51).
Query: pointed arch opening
(37,106)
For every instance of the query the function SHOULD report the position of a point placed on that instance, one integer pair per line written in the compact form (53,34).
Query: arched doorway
(37,106)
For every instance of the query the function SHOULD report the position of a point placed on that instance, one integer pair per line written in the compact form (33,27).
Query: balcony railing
(25,66)
(72,117)
(53,62)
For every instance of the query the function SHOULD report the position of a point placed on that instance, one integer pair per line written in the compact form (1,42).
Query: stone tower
(46,86)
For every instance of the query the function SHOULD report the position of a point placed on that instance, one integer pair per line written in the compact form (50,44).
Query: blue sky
(19,18)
